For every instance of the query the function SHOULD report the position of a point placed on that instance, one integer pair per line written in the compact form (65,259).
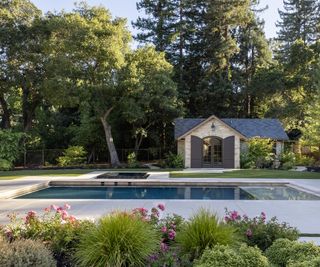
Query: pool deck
(304,214)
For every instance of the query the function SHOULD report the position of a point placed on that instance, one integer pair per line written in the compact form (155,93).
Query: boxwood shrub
(284,252)
(222,256)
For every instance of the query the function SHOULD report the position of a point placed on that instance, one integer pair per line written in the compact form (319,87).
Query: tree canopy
(74,78)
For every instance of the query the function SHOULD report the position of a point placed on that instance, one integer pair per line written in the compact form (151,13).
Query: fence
(45,157)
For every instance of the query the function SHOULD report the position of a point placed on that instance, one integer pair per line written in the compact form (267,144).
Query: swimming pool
(170,192)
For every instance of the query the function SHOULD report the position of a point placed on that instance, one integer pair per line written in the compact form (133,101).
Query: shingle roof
(265,128)
(184,125)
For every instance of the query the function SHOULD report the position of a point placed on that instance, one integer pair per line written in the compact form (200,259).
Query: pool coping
(11,194)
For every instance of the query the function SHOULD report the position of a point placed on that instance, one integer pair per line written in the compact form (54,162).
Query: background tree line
(224,64)
(72,78)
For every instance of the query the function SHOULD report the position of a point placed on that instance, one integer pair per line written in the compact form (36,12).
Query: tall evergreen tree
(164,26)
(254,54)
(202,50)
(297,21)
(297,54)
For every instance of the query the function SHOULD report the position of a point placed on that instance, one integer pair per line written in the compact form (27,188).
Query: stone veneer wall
(181,149)
(205,130)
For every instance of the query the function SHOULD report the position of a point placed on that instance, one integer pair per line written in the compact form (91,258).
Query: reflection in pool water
(185,192)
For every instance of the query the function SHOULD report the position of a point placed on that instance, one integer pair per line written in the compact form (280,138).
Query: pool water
(185,192)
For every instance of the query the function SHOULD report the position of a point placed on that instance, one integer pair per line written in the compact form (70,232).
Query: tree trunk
(5,122)
(114,159)
(27,110)
(137,143)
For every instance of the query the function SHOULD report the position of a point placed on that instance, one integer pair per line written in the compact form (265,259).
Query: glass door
(212,152)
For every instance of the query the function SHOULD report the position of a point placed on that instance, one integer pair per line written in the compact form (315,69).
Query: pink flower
(67,206)
(263,216)
(171,234)
(173,226)
(164,247)
(161,207)
(32,213)
(60,209)
(235,215)
(72,219)
(249,233)
(164,229)
(64,215)
(142,211)
(54,207)
(47,209)
(8,233)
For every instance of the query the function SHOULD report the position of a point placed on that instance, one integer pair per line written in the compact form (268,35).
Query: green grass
(250,174)
(309,235)
(10,175)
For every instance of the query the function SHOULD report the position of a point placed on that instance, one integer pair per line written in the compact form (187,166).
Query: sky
(127,9)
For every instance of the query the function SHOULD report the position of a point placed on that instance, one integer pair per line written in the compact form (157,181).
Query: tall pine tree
(297,55)
(298,21)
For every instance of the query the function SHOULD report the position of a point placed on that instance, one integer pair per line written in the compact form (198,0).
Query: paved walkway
(304,215)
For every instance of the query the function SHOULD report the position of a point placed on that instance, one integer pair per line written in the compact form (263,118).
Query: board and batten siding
(205,130)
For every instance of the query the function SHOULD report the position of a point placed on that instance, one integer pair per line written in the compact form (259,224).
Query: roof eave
(205,121)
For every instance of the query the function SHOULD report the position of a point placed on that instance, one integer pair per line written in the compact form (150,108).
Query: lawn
(250,174)
(9,175)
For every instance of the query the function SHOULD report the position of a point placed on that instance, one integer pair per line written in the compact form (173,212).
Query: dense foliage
(284,252)
(143,237)
(258,153)
(72,79)
(174,161)
(10,148)
(73,156)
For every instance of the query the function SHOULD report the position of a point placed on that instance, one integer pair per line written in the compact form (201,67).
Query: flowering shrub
(168,255)
(55,227)
(258,231)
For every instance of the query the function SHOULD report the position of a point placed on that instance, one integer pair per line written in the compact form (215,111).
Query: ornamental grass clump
(118,239)
(203,230)
(225,256)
